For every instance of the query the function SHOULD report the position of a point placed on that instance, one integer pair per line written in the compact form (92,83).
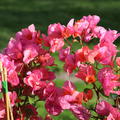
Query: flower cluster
(28,60)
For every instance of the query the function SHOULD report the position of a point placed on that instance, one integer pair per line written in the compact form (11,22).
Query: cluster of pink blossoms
(28,59)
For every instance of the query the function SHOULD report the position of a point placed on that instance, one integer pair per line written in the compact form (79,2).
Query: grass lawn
(18,14)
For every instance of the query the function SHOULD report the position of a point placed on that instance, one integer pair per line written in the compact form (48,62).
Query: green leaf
(113,96)
(31,100)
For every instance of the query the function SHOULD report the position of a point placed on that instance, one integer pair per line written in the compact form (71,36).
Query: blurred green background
(18,14)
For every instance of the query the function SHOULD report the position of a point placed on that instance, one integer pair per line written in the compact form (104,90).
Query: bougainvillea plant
(28,59)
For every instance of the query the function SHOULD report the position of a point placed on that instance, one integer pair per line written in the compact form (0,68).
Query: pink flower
(85,55)
(46,60)
(99,32)
(86,73)
(70,96)
(63,53)
(55,30)
(115,113)
(28,35)
(33,79)
(87,95)
(45,91)
(112,49)
(48,90)
(80,112)
(12,74)
(104,56)
(13,97)
(47,75)
(85,26)
(24,45)
(80,26)
(110,36)
(106,49)
(46,40)
(115,116)
(43,51)
(13,78)
(105,53)
(55,39)
(19,66)
(14,49)
(30,52)
(53,107)
(52,104)
(93,20)
(108,80)
(2,109)
(36,79)
(105,109)
(81,55)
(69,30)
(69,64)
(56,44)
(68,88)
(65,101)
